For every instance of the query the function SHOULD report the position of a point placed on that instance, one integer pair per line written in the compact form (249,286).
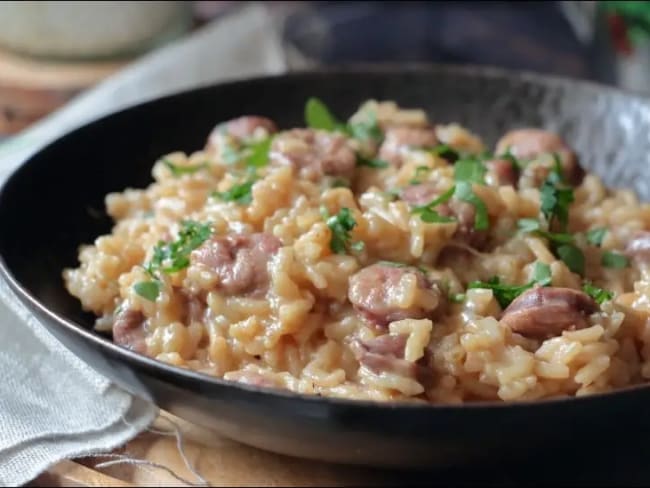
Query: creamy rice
(304,316)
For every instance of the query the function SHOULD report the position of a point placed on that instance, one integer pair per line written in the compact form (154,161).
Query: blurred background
(51,52)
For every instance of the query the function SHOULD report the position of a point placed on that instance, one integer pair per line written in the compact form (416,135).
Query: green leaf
(318,116)
(542,274)
(430,216)
(465,193)
(533,226)
(595,236)
(554,200)
(170,257)
(230,155)
(600,295)
(358,246)
(259,153)
(148,289)
(573,257)
(367,130)
(528,225)
(178,170)
(614,260)
(240,194)
(470,170)
(445,152)
(457,298)
(372,163)
(504,294)
(508,156)
(445,197)
(340,226)
(420,171)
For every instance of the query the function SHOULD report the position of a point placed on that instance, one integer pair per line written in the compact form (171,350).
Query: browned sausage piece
(639,247)
(463,212)
(501,172)
(128,330)
(373,293)
(385,354)
(240,261)
(544,312)
(314,153)
(530,143)
(396,139)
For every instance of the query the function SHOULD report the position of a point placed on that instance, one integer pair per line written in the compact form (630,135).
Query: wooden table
(223,462)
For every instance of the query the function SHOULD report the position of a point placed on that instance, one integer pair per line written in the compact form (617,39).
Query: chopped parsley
(420,172)
(148,290)
(470,170)
(178,170)
(555,199)
(340,226)
(367,130)
(533,226)
(505,294)
(595,236)
(508,156)
(457,297)
(600,295)
(465,193)
(172,257)
(318,116)
(572,256)
(445,152)
(254,153)
(611,259)
(429,214)
(372,163)
(240,194)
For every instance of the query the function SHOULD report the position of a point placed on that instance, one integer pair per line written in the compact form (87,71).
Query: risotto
(385,257)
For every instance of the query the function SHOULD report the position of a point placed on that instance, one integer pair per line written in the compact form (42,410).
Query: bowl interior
(55,201)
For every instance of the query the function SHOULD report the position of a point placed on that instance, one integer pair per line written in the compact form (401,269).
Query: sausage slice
(544,312)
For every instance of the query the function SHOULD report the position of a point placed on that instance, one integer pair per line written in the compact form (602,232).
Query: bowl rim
(139,361)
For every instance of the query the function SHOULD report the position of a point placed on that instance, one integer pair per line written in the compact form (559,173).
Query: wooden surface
(223,462)
(32,88)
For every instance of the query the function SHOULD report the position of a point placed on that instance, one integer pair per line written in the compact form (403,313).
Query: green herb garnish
(600,295)
(445,152)
(340,226)
(555,200)
(178,170)
(318,116)
(505,294)
(372,163)
(572,256)
(170,257)
(470,170)
(367,130)
(240,194)
(465,193)
(429,214)
(420,171)
(457,298)
(533,226)
(148,290)
(595,236)
(611,259)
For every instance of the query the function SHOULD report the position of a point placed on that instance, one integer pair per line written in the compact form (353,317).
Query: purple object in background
(532,36)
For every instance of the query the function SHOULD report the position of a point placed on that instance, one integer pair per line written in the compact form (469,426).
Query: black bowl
(54,202)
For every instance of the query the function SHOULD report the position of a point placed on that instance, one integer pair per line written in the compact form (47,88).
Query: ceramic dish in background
(55,201)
